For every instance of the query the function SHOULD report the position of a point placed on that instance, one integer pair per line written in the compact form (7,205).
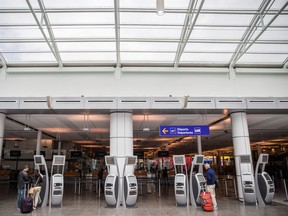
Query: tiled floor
(148,204)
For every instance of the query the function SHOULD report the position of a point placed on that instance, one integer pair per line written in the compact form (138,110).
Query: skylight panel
(92,57)
(147,57)
(262,58)
(29,57)
(87,46)
(146,32)
(81,18)
(205,57)
(84,32)
(148,46)
(151,18)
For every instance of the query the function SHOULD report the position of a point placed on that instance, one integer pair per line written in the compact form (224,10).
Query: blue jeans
(20,196)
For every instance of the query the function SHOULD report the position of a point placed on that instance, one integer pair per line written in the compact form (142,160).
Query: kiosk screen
(200,160)
(38,160)
(110,161)
(265,158)
(131,160)
(201,178)
(179,160)
(245,159)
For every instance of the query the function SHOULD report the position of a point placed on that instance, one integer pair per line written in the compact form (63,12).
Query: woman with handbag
(36,189)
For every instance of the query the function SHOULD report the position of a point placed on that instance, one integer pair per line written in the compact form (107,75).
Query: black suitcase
(26,201)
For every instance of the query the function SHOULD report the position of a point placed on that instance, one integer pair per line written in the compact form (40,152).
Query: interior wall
(143,84)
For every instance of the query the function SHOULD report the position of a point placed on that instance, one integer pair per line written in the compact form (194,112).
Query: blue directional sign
(196,130)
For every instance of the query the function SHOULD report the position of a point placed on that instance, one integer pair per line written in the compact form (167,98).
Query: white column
(2,126)
(59,147)
(241,143)
(121,139)
(199,150)
(38,145)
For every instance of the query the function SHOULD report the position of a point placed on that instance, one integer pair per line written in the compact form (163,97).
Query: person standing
(22,179)
(36,189)
(211,183)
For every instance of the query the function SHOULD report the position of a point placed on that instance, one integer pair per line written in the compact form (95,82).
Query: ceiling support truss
(190,21)
(52,47)
(117,32)
(246,44)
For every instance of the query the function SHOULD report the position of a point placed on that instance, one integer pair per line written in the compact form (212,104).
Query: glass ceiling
(223,33)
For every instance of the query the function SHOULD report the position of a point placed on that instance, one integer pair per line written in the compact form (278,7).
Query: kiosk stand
(181,182)
(40,164)
(247,180)
(112,183)
(130,183)
(264,185)
(197,180)
(57,180)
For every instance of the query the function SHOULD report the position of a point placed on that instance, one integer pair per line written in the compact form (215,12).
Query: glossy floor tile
(89,204)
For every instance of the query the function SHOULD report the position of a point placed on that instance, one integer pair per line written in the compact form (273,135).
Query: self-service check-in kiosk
(197,180)
(111,188)
(247,180)
(264,184)
(57,180)
(130,183)
(40,164)
(181,182)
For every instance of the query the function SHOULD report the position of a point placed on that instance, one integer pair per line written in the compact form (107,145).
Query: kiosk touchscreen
(57,180)
(111,188)
(180,183)
(248,184)
(130,183)
(197,180)
(264,184)
(40,164)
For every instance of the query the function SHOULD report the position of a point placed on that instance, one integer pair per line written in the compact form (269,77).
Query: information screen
(38,160)
(15,153)
(265,159)
(245,159)
(110,160)
(179,160)
(75,154)
(131,161)
(200,159)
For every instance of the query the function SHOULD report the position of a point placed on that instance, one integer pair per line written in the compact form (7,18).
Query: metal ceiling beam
(117,32)
(285,63)
(43,33)
(3,61)
(188,18)
(50,32)
(135,10)
(249,32)
(262,31)
(155,40)
(187,35)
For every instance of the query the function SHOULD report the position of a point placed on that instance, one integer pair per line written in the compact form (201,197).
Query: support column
(241,143)
(38,145)
(121,138)
(2,126)
(121,144)
(59,147)
(199,151)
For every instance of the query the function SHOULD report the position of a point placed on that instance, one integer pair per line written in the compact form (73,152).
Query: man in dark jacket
(22,179)
(211,183)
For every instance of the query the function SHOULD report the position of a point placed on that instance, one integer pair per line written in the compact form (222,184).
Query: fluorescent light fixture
(160,7)
(27,128)
(86,129)
(146,129)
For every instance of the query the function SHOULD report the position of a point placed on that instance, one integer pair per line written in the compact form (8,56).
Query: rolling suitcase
(206,201)
(26,201)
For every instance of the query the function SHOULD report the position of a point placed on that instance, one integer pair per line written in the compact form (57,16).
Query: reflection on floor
(88,203)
